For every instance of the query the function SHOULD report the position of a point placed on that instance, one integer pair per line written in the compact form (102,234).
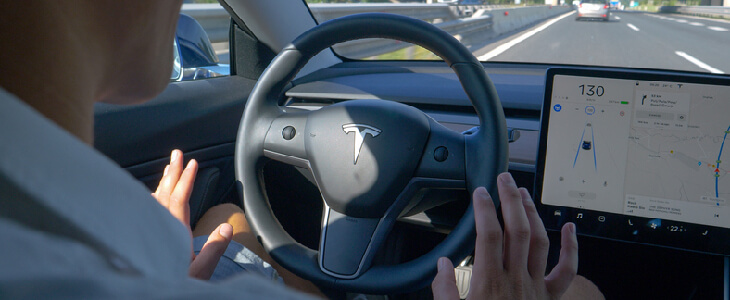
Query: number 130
(591,90)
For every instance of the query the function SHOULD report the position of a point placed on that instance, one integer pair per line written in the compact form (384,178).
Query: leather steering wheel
(368,158)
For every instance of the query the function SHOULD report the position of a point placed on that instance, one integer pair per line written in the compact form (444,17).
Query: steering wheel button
(288,133)
(440,153)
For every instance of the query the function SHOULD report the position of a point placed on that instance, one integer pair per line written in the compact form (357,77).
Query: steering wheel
(369,158)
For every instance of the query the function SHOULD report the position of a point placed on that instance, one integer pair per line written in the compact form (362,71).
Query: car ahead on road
(593,9)
(617,5)
(409,132)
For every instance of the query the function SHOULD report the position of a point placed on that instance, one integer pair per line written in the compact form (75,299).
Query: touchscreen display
(644,156)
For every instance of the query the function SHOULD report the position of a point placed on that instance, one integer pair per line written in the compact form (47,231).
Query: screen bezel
(716,240)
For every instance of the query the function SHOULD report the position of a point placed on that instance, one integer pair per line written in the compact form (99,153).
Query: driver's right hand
(511,264)
(173,193)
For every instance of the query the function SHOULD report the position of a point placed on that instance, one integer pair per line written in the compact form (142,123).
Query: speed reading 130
(591,90)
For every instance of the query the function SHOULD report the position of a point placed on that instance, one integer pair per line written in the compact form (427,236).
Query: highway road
(629,39)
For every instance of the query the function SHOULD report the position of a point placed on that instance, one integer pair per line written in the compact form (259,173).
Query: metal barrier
(712,11)
(472,24)
(463,28)
(324,12)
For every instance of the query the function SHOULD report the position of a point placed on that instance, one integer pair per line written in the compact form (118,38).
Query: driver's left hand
(173,193)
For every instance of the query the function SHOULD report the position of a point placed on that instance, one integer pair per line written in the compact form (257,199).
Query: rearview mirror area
(176,62)
(194,56)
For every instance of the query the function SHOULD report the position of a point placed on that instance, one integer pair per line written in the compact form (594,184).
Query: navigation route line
(717,169)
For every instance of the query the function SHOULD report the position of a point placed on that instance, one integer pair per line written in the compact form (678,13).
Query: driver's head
(113,51)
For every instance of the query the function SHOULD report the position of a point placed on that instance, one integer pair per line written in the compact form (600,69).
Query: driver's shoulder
(52,183)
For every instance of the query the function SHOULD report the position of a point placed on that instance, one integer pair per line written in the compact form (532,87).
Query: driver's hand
(173,193)
(511,265)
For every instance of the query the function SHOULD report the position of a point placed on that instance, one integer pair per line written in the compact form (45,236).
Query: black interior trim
(208,110)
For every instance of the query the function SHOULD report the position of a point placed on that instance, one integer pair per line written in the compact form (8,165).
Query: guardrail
(463,28)
(215,19)
(472,24)
(711,11)
(324,12)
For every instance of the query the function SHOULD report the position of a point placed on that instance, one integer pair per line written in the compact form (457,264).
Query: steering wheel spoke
(348,244)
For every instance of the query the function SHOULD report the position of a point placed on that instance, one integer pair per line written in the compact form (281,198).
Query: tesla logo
(361,131)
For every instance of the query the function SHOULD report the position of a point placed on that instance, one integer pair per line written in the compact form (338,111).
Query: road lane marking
(504,47)
(632,27)
(715,28)
(698,62)
(660,17)
(618,18)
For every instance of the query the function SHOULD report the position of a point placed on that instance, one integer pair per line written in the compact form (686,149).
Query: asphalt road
(629,39)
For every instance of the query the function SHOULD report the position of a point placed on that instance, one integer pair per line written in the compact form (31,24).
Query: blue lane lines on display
(580,142)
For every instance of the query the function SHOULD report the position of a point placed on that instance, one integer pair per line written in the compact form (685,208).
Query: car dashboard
(432,87)
(435,89)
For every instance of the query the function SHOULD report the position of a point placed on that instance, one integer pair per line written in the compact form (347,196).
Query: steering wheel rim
(485,151)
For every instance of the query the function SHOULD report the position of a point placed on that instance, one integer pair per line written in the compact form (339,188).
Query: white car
(593,9)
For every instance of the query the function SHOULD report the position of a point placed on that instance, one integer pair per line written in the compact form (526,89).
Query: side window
(201,42)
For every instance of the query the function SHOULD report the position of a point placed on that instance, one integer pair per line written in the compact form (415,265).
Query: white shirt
(73,224)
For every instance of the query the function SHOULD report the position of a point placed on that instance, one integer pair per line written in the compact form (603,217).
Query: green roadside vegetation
(647,8)
(408,53)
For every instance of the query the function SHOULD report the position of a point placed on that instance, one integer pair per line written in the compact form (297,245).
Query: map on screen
(653,149)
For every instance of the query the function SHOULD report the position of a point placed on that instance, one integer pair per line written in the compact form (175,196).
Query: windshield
(652,34)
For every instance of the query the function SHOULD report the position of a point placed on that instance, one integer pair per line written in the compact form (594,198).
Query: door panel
(187,115)
(198,117)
